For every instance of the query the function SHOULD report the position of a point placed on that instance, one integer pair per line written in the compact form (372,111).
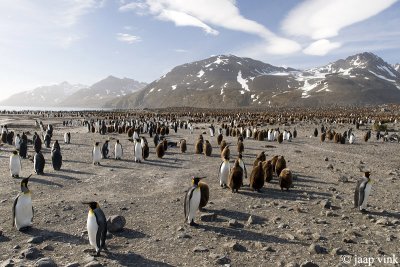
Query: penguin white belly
(23,211)
(96,155)
(118,151)
(194,204)
(211,132)
(241,164)
(92,228)
(17,144)
(351,140)
(247,133)
(367,191)
(223,178)
(138,152)
(65,138)
(15,165)
(269,136)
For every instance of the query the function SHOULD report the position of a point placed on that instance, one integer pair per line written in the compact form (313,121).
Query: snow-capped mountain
(230,81)
(43,96)
(396,67)
(103,91)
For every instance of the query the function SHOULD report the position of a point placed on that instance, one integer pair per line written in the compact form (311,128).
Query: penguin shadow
(76,161)
(247,235)
(132,259)
(130,234)
(45,182)
(385,214)
(57,175)
(275,193)
(160,163)
(237,215)
(75,172)
(311,179)
(55,236)
(4,238)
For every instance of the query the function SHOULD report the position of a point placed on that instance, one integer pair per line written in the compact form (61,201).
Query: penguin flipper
(361,193)
(33,214)
(188,197)
(219,171)
(13,210)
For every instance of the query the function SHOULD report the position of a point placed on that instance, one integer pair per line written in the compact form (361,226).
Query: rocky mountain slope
(44,96)
(230,81)
(397,67)
(103,91)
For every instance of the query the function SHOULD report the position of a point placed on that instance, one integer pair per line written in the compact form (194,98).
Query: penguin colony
(198,195)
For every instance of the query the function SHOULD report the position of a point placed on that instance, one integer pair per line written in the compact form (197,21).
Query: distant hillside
(231,81)
(101,92)
(44,96)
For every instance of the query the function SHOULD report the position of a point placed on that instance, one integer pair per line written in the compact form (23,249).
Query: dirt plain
(313,222)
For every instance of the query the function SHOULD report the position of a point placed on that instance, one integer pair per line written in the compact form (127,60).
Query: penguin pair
(192,201)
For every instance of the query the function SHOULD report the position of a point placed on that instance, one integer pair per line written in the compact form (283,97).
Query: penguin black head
(24,184)
(366,174)
(117,141)
(196,180)
(96,144)
(93,205)
(240,156)
(15,152)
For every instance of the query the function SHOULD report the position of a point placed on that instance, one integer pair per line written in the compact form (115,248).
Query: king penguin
(22,212)
(223,173)
(56,158)
(105,150)
(361,194)
(118,150)
(15,164)
(96,227)
(38,163)
(96,154)
(138,151)
(192,201)
(67,138)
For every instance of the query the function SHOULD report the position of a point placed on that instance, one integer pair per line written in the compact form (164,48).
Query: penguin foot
(192,223)
(363,211)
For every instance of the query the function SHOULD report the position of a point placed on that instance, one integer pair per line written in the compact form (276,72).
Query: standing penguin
(257,177)
(67,138)
(280,165)
(205,195)
(192,201)
(38,163)
(199,146)
(235,180)
(23,149)
(15,164)
(223,173)
(352,138)
(145,148)
(207,148)
(105,150)
(37,143)
(96,226)
(22,211)
(219,138)
(160,151)
(17,142)
(118,151)
(240,147)
(56,158)
(47,140)
(182,145)
(361,194)
(226,153)
(285,179)
(138,151)
(56,145)
(96,154)
(242,165)
(268,170)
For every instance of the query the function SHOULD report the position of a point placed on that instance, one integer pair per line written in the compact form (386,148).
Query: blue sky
(45,42)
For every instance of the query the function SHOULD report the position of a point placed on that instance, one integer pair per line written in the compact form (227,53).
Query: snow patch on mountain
(242,82)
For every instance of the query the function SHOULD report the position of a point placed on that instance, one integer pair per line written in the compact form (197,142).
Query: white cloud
(320,19)
(178,50)
(321,47)
(203,13)
(128,38)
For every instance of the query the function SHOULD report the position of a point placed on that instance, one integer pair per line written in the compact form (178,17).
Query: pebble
(45,262)
(93,264)
(72,264)
(220,259)
(7,263)
(343,179)
(309,264)
(326,204)
(316,249)
(115,223)
(31,253)
(235,246)
(35,240)
(200,249)
(183,235)
(292,264)
(329,167)
(338,251)
(383,221)
(234,223)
